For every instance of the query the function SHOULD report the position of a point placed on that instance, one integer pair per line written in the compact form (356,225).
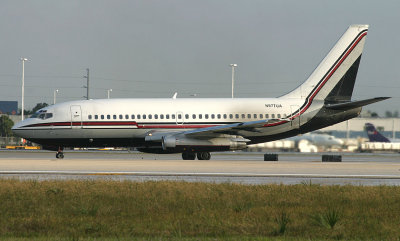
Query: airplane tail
(374,135)
(334,78)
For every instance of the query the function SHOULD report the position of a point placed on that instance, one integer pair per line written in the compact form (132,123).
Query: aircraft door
(76,116)
(295,122)
(179,118)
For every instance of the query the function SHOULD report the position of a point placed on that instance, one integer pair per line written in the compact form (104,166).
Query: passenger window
(279,115)
(225,116)
(167,116)
(161,116)
(96,117)
(237,116)
(255,116)
(284,115)
(102,117)
(219,116)
(90,117)
(206,115)
(243,116)
(179,116)
(187,116)
(266,116)
(114,117)
(150,116)
(138,117)
(132,117)
(108,117)
(230,116)
(173,116)
(272,116)
(144,116)
(249,116)
(212,116)
(155,116)
(261,116)
(194,116)
(120,117)
(127,117)
(200,116)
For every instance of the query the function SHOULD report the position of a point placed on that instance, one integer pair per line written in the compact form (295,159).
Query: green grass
(112,210)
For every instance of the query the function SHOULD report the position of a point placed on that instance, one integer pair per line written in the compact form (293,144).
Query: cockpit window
(37,113)
(42,114)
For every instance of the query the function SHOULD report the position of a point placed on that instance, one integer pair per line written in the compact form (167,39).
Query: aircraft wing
(229,129)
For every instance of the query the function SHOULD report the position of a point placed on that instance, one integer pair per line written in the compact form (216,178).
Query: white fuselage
(134,118)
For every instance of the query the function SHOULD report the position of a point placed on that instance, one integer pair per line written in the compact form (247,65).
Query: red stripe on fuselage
(131,123)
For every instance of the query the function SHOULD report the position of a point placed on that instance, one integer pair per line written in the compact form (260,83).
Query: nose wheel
(60,155)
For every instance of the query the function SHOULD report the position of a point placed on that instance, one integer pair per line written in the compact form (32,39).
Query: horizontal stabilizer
(354,104)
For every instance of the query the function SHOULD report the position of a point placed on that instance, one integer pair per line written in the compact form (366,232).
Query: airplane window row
(187,116)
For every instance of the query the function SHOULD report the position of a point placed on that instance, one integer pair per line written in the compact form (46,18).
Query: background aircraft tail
(333,80)
(374,135)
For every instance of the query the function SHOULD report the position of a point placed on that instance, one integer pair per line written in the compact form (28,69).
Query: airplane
(196,127)
(319,139)
(375,136)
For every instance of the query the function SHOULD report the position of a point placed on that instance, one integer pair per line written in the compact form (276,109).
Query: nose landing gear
(60,154)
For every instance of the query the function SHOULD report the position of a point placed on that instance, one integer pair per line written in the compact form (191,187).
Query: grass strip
(113,210)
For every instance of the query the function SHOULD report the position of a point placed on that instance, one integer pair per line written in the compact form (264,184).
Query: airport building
(9,107)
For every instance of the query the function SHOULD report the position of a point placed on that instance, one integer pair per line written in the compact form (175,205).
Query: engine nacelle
(193,144)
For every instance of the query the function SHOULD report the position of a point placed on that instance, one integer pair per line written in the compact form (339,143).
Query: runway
(241,167)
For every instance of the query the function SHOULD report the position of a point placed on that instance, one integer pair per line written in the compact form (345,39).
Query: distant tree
(5,126)
(374,114)
(39,106)
(391,114)
(388,114)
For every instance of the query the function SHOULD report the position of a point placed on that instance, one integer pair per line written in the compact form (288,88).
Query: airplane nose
(17,130)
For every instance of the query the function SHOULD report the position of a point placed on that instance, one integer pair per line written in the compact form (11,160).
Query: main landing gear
(192,155)
(60,154)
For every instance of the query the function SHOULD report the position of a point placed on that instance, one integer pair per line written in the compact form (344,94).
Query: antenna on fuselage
(174,96)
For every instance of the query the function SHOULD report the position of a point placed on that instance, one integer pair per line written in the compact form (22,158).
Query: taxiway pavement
(364,169)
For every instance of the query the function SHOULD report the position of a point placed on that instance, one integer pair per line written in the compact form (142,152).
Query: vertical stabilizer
(374,135)
(333,80)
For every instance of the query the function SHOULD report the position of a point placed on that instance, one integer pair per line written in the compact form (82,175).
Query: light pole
(108,93)
(233,76)
(55,96)
(23,87)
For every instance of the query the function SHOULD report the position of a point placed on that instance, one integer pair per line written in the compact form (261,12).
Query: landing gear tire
(188,156)
(60,155)
(203,155)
